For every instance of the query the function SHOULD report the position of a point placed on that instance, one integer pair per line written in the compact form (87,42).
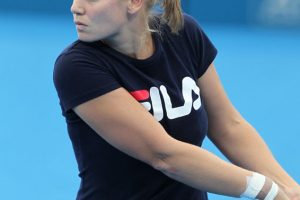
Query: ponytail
(173,14)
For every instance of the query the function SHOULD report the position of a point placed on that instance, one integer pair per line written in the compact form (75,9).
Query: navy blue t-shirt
(165,84)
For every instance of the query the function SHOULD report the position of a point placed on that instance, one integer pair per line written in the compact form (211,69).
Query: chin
(86,38)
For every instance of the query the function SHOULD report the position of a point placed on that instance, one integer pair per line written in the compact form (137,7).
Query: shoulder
(75,50)
(81,73)
(191,25)
(190,21)
(79,55)
(77,60)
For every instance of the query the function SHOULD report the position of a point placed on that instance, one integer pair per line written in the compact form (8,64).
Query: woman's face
(99,19)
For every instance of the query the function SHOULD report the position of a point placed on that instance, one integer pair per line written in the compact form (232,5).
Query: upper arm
(86,84)
(124,123)
(222,114)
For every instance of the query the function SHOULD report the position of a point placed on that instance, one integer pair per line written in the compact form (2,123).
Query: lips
(79,23)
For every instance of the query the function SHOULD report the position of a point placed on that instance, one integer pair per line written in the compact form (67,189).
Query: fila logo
(188,87)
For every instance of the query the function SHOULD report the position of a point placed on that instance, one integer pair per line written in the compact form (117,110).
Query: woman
(130,92)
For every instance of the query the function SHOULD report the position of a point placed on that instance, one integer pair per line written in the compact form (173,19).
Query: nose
(76,8)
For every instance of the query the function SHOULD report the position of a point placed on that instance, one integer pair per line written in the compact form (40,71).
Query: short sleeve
(204,51)
(79,77)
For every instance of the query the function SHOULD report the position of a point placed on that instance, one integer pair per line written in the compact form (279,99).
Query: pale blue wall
(209,10)
(46,6)
(215,11)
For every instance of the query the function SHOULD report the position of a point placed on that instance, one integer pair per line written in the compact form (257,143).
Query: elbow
(165,168)
(225,128)
(162,163)
(164,158)
(232,125)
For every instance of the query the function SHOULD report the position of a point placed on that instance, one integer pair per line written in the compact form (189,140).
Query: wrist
(260,187)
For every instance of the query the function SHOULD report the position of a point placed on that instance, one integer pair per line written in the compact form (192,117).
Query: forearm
(201,169)
(244,147)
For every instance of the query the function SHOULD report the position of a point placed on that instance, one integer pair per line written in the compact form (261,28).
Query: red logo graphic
(140,95)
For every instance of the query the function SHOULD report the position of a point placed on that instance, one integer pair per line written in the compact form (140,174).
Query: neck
(139,46)
(133,40)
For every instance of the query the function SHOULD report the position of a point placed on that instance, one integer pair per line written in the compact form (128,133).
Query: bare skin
(121,25)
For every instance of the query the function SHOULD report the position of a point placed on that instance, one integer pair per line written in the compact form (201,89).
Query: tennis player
(139,92)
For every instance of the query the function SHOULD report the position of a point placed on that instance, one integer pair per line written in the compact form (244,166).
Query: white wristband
(254,185)
(273,192)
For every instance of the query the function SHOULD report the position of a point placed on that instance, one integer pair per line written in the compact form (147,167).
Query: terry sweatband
(259,187)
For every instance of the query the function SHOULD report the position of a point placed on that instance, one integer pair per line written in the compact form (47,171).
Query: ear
(134,5)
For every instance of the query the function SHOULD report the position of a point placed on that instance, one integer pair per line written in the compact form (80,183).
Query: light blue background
(258,64)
